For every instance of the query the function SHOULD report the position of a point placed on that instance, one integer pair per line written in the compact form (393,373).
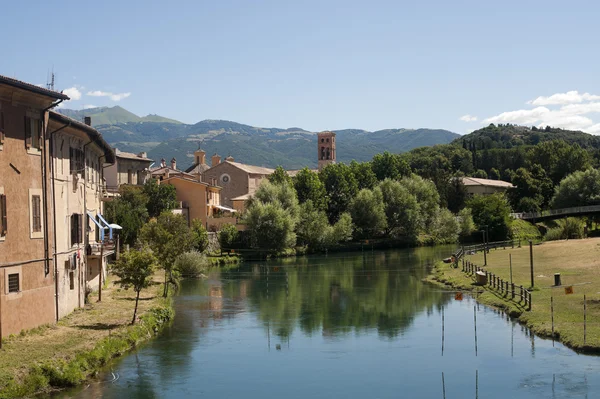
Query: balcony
(95,249)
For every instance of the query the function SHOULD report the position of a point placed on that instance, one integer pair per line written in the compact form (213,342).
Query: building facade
(27,282)
(82,237)
(198,199)
(132,169)
(326,149)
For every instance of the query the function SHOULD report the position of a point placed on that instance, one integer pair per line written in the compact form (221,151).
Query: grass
(578,262)
(79,345)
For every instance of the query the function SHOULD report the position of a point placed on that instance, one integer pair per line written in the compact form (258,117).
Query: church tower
(326,148)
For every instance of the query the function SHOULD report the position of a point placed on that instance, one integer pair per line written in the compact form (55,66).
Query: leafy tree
(559,158)
(283,194)
(491,212)
(368,212)
(228,236)
(312,226)
(135,269)
(481,174)
(363,172)
(494,174)
(455,194)
(532,183)
(271,227)
(578,189)
(465,222)
(161,197)
(280,176)
(341,187)
(341,231)
(445,227)
(168,236)
(391,166)
(401,209)
(128,211)
(427,197)
(200,236)
(528,204)
(310,188)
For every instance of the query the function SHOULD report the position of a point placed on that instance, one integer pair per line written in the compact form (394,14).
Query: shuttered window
(2,134)
(77,164)
(76,228)
(36,211)
(33,133)
(3,216)
(13,282)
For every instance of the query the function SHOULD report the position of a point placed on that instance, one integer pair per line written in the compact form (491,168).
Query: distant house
(164,171)
(200,166)
(476,186)
(132,169)
(236,179)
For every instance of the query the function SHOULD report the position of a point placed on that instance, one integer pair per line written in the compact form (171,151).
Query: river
(352,325)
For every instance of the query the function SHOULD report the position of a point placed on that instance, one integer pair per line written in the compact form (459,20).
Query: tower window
(328,140)
(322,140)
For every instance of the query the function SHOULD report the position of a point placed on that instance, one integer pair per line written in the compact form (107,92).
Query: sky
(456,65)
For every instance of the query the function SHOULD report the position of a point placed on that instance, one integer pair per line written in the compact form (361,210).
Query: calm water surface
(343,326)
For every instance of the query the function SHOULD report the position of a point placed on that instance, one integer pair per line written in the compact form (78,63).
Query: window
(322,140)
(36,211)
(77,164)
(129,176)
(13,282)
(72,280)
(3,216)
(225,178)
(33,133)
(76,226)
(2,134)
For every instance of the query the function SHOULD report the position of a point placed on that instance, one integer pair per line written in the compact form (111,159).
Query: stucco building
(476,186)
(164,171)
(236,179)
(27,269)
(82,236)
(129,168)
(198,199)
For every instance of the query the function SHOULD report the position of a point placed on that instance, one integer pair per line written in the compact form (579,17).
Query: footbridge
(558,213)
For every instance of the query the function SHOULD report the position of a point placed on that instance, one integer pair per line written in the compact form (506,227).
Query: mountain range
(291,148)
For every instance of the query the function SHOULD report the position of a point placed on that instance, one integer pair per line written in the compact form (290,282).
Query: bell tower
(326,148)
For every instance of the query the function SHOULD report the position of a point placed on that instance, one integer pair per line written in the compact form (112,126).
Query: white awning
(115,226)
(224,208)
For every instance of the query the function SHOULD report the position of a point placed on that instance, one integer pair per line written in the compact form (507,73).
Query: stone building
(236,179)
(132,169)
(326,153)
(27,267)
(83,239)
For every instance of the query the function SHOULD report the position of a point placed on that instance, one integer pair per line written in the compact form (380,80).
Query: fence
(499,284)
(460,252)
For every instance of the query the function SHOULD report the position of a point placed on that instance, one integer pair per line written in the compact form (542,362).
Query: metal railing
(556,212)
(460,252)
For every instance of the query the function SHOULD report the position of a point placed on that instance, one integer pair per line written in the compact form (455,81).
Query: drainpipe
(45,200)
(53,187)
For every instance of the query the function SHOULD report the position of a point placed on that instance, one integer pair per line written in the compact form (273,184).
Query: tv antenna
(50,83)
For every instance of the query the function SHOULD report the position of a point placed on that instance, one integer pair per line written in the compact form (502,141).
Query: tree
(135,269)
(364,175)
(480,174)
(494,174)
(341,187)
(391,166)
(283,194)
(368,212)
(578,189)
(559,158)
(341,231)
(312,226)
(228,236)
(271,227)
(491,213)
(128,211)
(200,236)
(455,194)
(168,236)
(310,188)
(280,176)
(465,222)
(161,197)
(530,183)
(401,209)
(427,197)
(445,227)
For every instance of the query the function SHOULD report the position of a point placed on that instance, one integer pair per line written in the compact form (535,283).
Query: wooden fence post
(512,288)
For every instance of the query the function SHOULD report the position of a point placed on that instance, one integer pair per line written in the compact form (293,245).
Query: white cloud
(570,97)
(88,106)
(520,117)
(112,96)
(73,93)
(468,118)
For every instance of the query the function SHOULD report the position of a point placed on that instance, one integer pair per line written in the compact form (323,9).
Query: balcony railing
(96,248)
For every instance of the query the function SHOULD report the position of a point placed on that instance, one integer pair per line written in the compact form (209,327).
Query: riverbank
(77,347)
(578,262)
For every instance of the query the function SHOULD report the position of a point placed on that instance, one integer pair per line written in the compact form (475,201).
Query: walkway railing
(460,252)
(578,210)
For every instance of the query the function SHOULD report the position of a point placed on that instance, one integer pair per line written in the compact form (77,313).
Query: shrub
(565,229)
(227,236)
(191,264)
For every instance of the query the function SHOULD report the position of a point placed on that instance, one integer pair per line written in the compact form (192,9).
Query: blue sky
(318,64)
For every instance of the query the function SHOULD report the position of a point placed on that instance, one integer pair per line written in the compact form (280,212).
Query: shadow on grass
(127,298)
(99,326)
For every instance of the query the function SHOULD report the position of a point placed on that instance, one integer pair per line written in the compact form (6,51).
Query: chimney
(142,154)
(163,163)
(174,164)
(87,120)
(229,158)
(216,159)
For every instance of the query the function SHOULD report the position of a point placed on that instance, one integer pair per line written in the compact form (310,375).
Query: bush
(522,230)
(565,229)
(191,264)
(200,236)
(228,235)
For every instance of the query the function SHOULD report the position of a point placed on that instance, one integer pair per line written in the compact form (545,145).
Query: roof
(92,133)
(33,88)
(187,180)
(198,168)
(242,197)
(257,170)
(130,155)
(473,181)
(171,170)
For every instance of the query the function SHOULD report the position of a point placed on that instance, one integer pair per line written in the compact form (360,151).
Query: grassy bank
(578,261)
(66,354)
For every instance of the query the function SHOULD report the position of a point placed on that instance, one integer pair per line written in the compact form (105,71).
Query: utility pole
(531,260)
(100,268)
